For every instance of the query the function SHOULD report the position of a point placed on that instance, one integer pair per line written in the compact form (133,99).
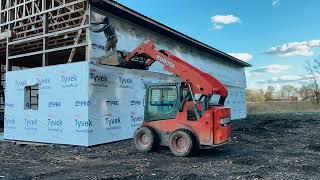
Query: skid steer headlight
(225,121)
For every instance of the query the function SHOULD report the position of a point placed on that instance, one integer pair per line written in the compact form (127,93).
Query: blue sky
(275,36)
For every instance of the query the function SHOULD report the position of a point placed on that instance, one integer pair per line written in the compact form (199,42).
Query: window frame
(28,96)
(159,117)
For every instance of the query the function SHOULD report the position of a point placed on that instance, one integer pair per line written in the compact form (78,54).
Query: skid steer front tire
(145,139)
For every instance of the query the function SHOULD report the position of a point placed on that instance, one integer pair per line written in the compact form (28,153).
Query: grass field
(282,107)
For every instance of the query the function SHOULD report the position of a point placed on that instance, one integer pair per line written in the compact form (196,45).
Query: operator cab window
(162,102)
(187,97)
(215,99)
(201,106)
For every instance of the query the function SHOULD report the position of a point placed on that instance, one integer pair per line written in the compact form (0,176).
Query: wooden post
(76,41)
(44,41)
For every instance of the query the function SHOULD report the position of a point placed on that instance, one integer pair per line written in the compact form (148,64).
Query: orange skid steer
(180,115)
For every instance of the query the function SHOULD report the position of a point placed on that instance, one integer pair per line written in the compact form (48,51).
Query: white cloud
(225,19)
(220,20)
(303,48)
(275,3)
(242,56)
(287,79)
(314,43)
(273,68)
(217,27)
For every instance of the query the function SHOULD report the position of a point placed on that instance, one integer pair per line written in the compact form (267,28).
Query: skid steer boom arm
(200,82)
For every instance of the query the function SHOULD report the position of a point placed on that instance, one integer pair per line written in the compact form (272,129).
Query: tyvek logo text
(113,123)
(70,81)
(44,83)
(55,125)
(136,120)
(20,84)
(83,126)
(31,124)
(126,82)
(9,123)
(98,80)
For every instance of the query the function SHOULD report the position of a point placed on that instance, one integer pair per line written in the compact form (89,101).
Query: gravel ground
(279,146)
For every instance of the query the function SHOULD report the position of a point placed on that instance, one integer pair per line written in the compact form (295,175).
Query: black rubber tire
(182,143)
(145,139)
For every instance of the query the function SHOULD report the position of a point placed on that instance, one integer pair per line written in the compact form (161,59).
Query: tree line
(310,91)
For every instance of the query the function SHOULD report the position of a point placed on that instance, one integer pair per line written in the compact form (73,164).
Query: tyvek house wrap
(78,103)
(62,105)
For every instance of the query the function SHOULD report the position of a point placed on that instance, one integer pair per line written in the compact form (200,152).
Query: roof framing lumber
(39,27)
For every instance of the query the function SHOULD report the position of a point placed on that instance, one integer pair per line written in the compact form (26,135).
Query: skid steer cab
(181,120)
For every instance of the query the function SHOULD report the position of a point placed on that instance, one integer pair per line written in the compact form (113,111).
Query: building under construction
(36,33)
(51,50)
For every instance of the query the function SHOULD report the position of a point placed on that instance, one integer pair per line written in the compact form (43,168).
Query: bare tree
(314,69)
(271,89)
(306,92)
(253,95)
(269,95)
(288,91)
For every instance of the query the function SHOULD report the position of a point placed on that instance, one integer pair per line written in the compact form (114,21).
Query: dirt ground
(280,146)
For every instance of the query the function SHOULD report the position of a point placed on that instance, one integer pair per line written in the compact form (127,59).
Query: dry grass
(282,107)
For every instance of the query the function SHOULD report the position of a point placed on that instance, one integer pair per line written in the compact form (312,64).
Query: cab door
(162,106)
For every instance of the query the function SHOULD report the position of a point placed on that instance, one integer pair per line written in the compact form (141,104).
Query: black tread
(192,148)
(154,139)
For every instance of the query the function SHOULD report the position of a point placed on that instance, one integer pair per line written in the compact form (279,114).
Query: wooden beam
(49,34)
(46,11)
(35,34)
(7,57)
(47,51)
(76,41)
(44,40)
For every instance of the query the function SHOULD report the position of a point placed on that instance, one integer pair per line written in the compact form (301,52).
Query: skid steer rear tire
(145,139)
(182,143)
